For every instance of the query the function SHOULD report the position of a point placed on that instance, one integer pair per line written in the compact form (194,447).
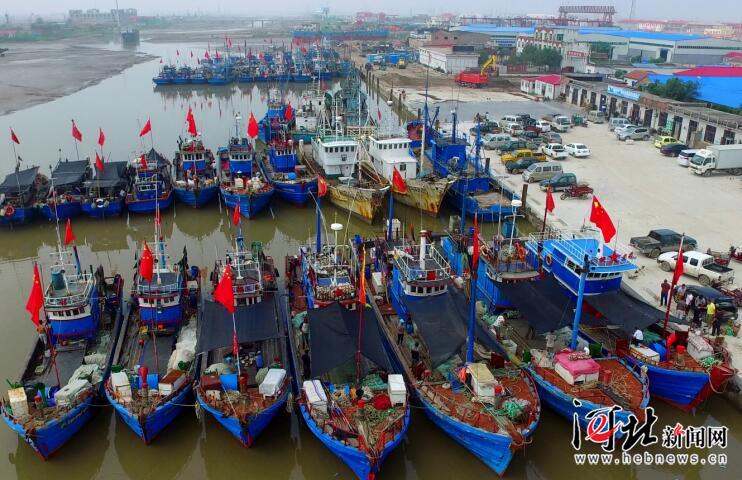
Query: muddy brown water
(187,449)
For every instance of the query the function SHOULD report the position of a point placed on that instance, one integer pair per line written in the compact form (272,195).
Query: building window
(709,134)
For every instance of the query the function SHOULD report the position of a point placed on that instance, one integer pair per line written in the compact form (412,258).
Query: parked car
(699,265)
(551,137)
(577,149)
(662,140)
(723,302)
(618,122)
(493,141)
(487,126)
(525,119)
(561,181)
(673,149)
(685,156)
(634,133)
(661,240)
(543,125)
(554,150)
(520,165)
(513,145)
(541,171)
(522,153)
(596,116)
(514,129)
(531,135)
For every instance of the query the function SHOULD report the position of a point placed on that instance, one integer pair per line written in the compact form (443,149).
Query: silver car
(633,132)
(685,155)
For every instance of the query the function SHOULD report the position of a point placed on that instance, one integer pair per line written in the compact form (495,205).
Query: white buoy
(336,227)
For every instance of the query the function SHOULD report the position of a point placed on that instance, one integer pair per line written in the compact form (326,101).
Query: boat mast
(425,119)
(580,297)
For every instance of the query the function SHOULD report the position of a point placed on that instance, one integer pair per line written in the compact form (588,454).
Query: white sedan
(554,150)
(577,149)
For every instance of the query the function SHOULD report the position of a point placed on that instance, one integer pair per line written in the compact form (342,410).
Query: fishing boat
(198,78)
(241,180)
(496,411)
(347,394)
(152,379)
(195,173)
(19,193)
(245,389)
(106,192)
(166,76)
(152,185)
(307,114)
(61,384)
(67,186)
(182,76)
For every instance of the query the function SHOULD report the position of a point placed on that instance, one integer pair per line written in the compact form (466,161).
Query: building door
(574,96)
(592,99)
(692,127)
(709,134)
(727,138)
(612,109)
(648,117)
(662,120)
(677,126)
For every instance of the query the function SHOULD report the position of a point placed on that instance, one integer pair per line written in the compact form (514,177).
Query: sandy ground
(33,73)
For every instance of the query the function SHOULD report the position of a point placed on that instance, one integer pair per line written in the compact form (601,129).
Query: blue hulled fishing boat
(106,193)
(245,389)
(67,186)
(71,358)
(19,193)
(490,409)
(348,395)
(240,178)
(167,75)
(152,185)
(183,76)
(195,173)
(159,337)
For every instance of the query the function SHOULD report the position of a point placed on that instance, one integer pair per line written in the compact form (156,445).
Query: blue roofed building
(726,91)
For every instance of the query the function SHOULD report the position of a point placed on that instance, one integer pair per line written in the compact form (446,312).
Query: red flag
(14,137)
(77,134)
(602,220)
(398,183)
(99,163)
(69,235)
(177,52)
(147,128)
(146,264)
(678,264)
(475,253)
(206,55)
(101,137)
(362,289)
(223,292)
(143,162)
(378,114)
(198,60)
(36,297)
(549,201)
(236,215)
(191,123)
(191,53)
(321,186)
(252,126)
(288,113)
(160,60)
(216,54)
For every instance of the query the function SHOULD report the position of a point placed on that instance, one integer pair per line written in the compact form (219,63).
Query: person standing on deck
(400,331)
(415,353)
(638,337)
(305,333)
(664,292)
(688,302)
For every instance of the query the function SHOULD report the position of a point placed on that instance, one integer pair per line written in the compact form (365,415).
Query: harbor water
(189,448)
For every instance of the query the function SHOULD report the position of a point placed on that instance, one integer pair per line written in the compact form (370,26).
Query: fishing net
(373,382)
(298,319)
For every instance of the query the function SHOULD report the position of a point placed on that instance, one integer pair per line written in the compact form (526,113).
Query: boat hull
(197,198)
(147,428)
(297,193)
(250,205)
(162,81)
(113,209)
(472,206)
(246,435)
(424,195)
(361,202)
(63,211)
(20,216)
(163,317)
(149,205)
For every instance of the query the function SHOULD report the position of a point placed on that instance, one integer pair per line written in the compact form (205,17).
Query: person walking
(664,292)
(710,312)
(400,332)
(305,333)
(716,326)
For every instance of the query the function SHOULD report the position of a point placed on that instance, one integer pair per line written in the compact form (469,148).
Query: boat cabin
(390,153)
(337,155)
(423,268)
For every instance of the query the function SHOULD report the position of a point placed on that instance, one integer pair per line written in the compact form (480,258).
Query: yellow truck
(522,153)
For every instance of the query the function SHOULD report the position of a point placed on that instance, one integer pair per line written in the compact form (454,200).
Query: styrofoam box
(397,390)
(121,385)
(376,281)
(482,380)
(18,402)
(645,352)
(171,382)
(272,382)
(315,394)
(67,395)
(698,348)
(567,376)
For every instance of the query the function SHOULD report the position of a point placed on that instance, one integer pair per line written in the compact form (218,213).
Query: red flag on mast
(549,201)
(14,137)
(69,235)
(223,292)
(191,123)
(206,55)
(143,162)
(99,163)
(678,263)
(191,53)
(101,137)
(147,264)
(147,128)
(362,289)
(321,186)
(475,252)
(602,220)
(252,126)
(288,113)
(36,297)
(398,183)
(236,215)
(76,133)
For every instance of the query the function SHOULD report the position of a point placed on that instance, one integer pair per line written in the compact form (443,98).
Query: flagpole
(237,350)
(675,278)
(546,209)
(473,300)
(47,327)
(319,222)
(362,307)
(17,166)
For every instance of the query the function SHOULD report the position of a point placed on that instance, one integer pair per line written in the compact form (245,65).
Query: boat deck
(490,199)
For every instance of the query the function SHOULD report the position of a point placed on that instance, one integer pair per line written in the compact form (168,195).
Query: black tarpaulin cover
(545,304)
(627,312)
(114,174)
(254,323)
(153,155)
(69,173)
(24,177)
(333,334)
(442,321)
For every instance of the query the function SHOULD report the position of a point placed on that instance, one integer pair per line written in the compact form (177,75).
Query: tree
(657,60)
(619,73)
(675,89)
(533,55)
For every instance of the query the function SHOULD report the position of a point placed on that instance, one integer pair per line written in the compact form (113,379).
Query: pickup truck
(699,265)
(522,153)
(661,240)
(487,126)
(561,181)
(554,150)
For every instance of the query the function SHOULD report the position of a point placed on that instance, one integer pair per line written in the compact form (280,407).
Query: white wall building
(448,61)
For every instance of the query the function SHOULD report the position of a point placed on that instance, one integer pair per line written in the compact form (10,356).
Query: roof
(725,91)
(68,173)
(492,29)
(668,37)
(638,74)
(24,178)
(449,51)
(552,79)
(114,174)
(711,71)
(255,322)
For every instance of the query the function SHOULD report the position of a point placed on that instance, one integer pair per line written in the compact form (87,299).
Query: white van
(617,122)
(513,129)
(493,141)
(541,171)
(507,119)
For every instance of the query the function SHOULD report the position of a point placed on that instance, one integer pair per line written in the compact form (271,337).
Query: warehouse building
(448,60)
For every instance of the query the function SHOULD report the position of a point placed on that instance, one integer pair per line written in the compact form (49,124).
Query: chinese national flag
(77,134)
(147,128)
(236,215)
(69,235)
(206,55)
(216,54)
(549,201)
(252,126)
(191,123)
(36,298)
(289,113)
(101,137)
(223,292)
(475,252)
(362,288)
(678,264)
(143,162)
(14,137)
(321,186)
(602,220)
(147,264)
(398,183)
(99,163)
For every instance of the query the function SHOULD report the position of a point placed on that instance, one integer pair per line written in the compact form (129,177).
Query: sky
(726,10)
